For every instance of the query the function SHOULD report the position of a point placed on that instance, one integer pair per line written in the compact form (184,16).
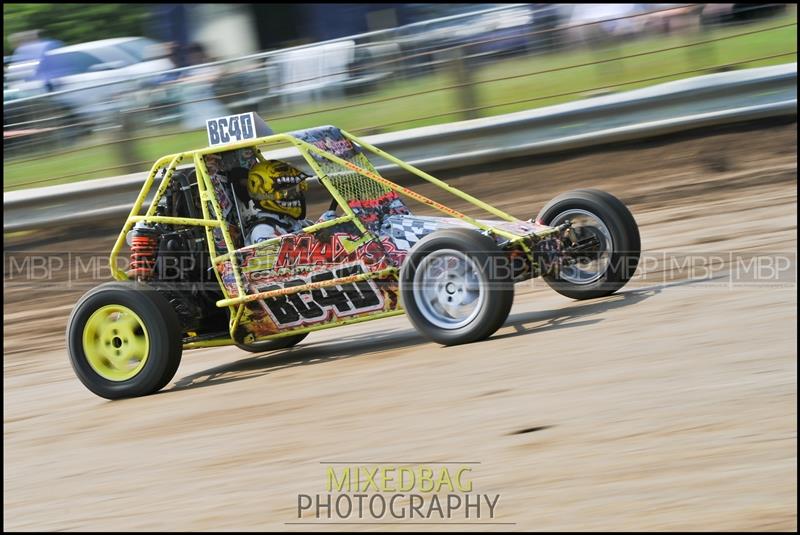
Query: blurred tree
(74,23)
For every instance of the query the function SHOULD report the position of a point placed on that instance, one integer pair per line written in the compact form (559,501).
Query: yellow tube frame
(213,219)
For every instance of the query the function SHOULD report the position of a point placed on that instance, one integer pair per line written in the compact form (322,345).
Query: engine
(174,259)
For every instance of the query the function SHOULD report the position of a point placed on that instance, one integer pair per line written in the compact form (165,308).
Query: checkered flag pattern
(406,230)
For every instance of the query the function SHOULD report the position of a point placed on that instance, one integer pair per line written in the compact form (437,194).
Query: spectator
(197,90)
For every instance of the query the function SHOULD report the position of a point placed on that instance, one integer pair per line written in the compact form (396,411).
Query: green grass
(415,111)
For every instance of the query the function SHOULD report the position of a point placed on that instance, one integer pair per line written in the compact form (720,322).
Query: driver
(277,190)
(270,194)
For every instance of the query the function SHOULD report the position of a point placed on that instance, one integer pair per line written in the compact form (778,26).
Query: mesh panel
(352,185)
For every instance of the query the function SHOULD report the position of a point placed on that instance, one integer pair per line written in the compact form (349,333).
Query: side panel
(303,258)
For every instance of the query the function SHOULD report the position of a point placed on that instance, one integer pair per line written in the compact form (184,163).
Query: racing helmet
(278,187)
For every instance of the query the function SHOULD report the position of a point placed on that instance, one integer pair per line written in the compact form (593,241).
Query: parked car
(23,64)
(102,70)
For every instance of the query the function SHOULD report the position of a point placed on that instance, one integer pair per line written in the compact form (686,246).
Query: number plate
(231,129)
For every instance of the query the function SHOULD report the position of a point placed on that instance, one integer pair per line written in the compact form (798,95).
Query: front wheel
(603,221)
(124,340)
(457,286)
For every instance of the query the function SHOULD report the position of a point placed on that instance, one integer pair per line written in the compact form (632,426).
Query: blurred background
(109,88)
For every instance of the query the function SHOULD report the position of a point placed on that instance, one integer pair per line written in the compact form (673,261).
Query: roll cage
(345,176)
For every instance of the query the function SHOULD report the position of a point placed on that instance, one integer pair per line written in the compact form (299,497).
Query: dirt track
(669,406)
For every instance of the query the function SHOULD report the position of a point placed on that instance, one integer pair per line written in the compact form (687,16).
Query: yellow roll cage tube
(214,219)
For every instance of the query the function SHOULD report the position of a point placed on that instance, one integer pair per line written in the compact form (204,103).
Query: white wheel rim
(582,273)
(448,289)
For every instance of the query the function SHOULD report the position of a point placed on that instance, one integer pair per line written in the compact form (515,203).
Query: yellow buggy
(192,281)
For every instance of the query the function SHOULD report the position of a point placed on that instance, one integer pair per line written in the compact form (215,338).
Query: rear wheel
(124,340)
(604,220)
(457,286)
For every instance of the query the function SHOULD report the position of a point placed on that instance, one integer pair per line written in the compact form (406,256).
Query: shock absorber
(143,242)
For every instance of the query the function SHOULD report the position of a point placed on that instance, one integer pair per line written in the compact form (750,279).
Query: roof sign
(236,128)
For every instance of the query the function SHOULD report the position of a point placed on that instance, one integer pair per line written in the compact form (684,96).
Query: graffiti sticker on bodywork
(329,139)
(322,304)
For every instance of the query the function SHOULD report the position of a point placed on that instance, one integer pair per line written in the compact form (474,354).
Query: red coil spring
(143,256)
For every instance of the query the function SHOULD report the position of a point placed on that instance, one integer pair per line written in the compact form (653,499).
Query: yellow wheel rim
(115,342)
